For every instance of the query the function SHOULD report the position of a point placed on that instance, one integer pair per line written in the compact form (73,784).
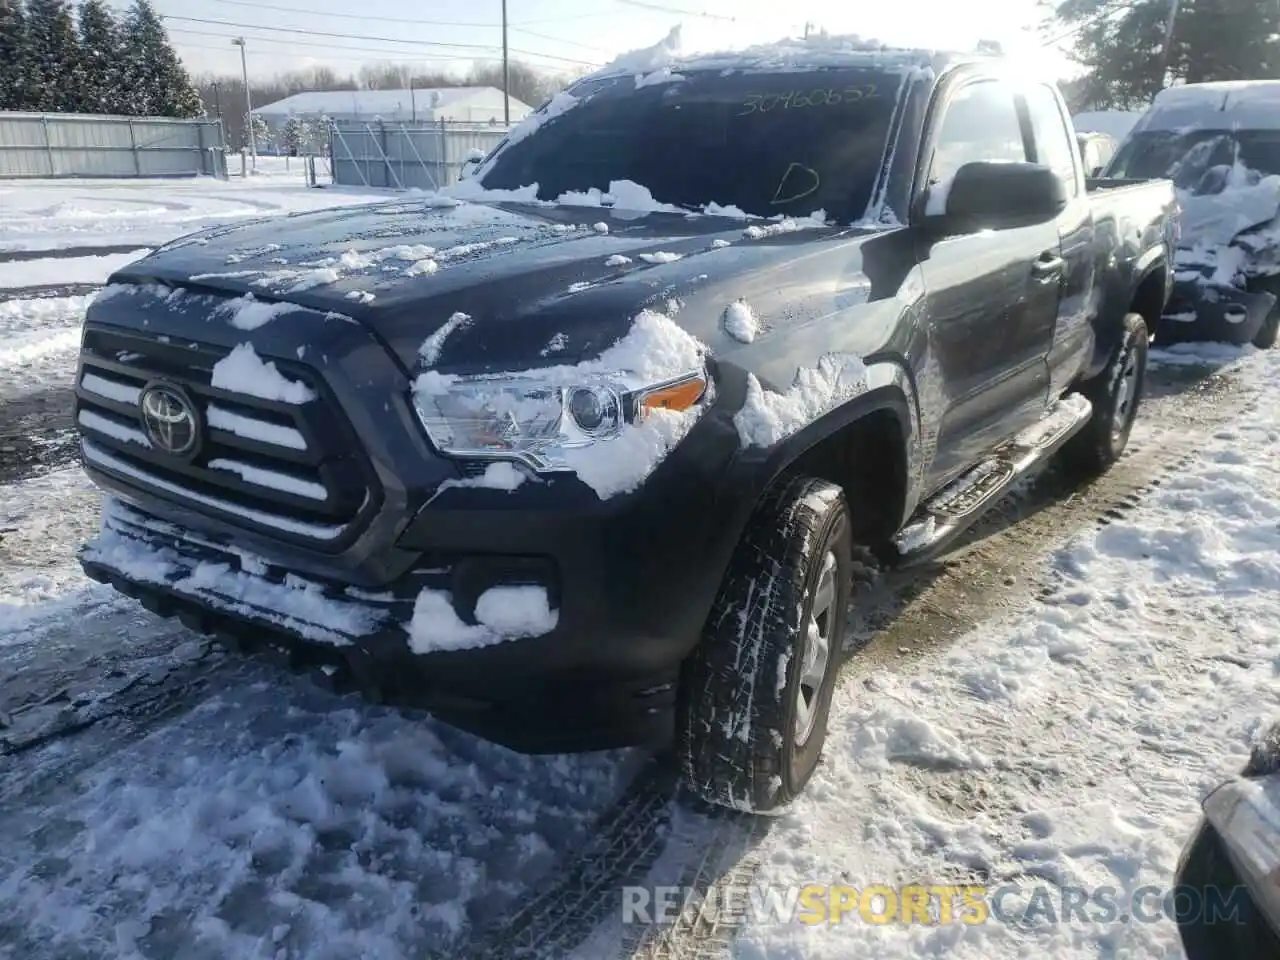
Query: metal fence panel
(77,145)
(405,155)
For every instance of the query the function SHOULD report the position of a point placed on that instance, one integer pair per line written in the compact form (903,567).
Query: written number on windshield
(764,102)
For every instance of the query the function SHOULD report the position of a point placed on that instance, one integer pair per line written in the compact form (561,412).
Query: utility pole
(807,27)
(217,108)
(248,100)
(1167,49)
(506,71)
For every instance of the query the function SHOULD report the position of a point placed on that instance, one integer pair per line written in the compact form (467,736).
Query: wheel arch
(868,446)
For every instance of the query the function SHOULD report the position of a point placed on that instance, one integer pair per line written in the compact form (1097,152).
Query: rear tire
(756,694)
(1116,394)
(1268,333)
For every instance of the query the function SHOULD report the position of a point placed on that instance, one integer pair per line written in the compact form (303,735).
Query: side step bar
(950,511)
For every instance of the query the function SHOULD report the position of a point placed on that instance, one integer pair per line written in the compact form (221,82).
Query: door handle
(1047,265)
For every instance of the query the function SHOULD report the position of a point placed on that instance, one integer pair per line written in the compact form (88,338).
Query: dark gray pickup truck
(584,455)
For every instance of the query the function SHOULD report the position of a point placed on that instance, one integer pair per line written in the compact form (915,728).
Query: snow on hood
(1247,200)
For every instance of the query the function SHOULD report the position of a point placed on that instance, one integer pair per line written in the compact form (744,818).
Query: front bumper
(1201,311)
(604,676)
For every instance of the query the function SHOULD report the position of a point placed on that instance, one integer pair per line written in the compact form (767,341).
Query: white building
(470,105)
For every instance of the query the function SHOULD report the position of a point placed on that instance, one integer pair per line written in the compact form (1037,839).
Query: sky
(567,35)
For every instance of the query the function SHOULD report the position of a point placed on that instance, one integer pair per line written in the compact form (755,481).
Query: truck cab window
(981,123)
(1053,141)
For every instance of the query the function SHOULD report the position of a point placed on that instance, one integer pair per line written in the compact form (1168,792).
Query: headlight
(535,422)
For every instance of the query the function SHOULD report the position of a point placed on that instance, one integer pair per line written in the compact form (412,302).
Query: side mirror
(996,194)
(474,159)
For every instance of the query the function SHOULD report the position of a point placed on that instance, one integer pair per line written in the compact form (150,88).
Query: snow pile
(617,260)
(786,225)
(90,269)
(431,347)
(1069,745)
(272,479)
(502,614)
(661,256)
(648,60)
(622,194)
(248,313)
(296,603)
(657,76)
(251,428)
(767,417)
(740,321)
(31,330)
(655,350)
(243,371)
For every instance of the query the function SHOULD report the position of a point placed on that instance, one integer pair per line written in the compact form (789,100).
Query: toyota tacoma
(586,450)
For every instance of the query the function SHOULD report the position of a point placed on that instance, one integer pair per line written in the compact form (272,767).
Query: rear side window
(1053,141)
(981,123)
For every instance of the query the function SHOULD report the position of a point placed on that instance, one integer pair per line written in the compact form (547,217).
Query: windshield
(769,144)
(1198,160)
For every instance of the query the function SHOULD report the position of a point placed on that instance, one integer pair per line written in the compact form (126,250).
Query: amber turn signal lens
(677,396)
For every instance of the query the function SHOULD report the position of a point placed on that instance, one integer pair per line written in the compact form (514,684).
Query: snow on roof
(1245,104)
(808,53)
(1114,123)
(1237,90)
(340,102)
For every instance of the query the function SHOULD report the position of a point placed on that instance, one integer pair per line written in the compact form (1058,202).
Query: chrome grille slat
(261,462)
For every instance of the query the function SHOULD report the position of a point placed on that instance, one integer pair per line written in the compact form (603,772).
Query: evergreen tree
(13,56)
(295,136)
(53,57)
(261,132)
(1122,47)
(154,79)
(100,56)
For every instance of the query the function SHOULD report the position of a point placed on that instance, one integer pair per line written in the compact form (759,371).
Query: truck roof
(792,54)
(1226,104)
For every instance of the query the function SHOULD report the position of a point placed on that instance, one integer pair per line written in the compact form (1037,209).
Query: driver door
(991,296)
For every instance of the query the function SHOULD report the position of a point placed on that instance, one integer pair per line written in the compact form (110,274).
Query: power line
(662,8)
(353,36)
(407,56)
(570,43)
(417,21)
(1096,18)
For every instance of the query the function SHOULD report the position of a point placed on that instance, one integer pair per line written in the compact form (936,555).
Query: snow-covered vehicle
(1220,144)
(586,454)
(1228,878)
(1096,151)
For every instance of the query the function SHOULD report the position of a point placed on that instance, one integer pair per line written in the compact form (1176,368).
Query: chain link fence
(403,156)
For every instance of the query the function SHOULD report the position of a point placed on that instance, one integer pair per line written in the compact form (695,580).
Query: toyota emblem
(170,420)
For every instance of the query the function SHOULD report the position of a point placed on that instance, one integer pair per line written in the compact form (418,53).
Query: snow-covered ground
(59,214)
(1070,743)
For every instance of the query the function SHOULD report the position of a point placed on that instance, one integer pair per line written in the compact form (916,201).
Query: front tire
(1116,394)
(756,694)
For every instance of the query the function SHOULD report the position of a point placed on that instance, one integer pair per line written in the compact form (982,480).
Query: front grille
(295,470)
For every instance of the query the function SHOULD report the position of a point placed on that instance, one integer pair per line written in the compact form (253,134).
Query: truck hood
(537,284)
